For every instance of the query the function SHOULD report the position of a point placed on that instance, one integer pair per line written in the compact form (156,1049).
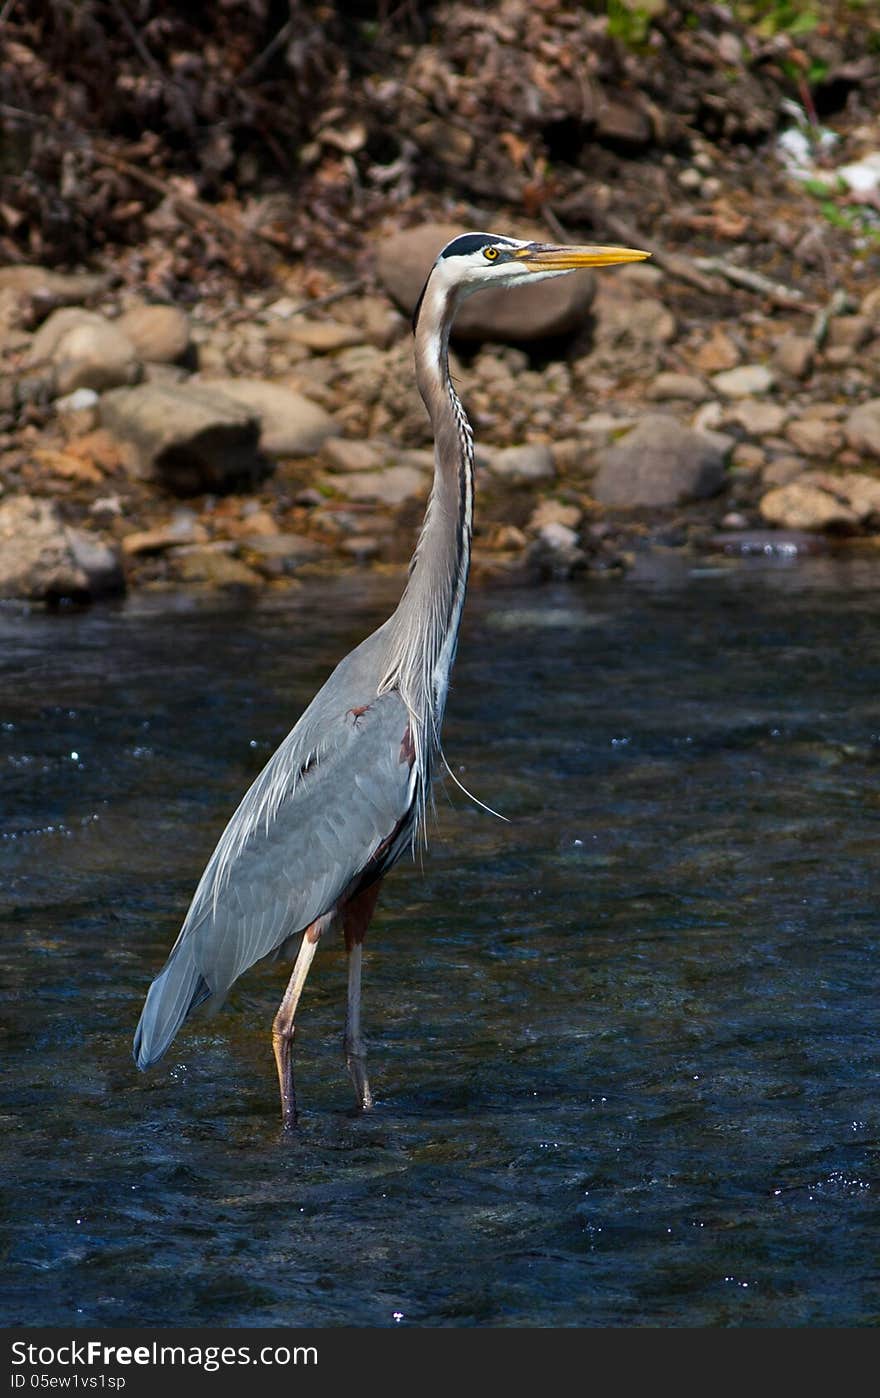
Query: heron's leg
(356,919)
(355,1053)
(282,1025)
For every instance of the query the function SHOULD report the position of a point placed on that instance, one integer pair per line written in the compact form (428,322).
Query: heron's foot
(356,1065)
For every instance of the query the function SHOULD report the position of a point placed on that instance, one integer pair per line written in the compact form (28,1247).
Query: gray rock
(661,463)
(531,462)
(794,355)
(189,437)
(160,334)
(671,386)
(210,566)
(743,381)
(280,555)
(290,425)
(627,317)
(389,487)
(556,552)
(41,558)
(502,314)
(862,427)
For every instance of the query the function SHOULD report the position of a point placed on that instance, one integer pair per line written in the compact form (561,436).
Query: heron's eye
(490,254)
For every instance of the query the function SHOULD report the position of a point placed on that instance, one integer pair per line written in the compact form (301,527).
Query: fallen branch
(682,268)
(188,205)
(786,296)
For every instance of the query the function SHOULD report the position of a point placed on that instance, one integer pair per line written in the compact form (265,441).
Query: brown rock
(850,332)
(798,506)
(160,334)
(862,427)
(345,454)
(794,355)
(782,471)
(815,436)
(324,336)
(42,558)
(524,313)
(672,386)
(719,352)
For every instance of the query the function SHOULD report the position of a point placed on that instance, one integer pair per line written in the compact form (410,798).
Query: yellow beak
(544,257)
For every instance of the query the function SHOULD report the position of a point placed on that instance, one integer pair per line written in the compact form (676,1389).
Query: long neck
(424,629)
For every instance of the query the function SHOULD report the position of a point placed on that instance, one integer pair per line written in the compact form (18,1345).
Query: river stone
(531,462)
(862,427)
(503,314)
(799,506)
(290,425)
(671,386)
(94,356)
(815,436)
(42,558)
(757,418)
(324,336)
(660,463)
(794,355)
(160,334)
(212,566)
(279,555)
(744,381)
(58,288)
(344,454)
(190,437)
(389,487)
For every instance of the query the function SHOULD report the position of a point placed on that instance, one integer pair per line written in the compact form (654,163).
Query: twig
(347,289)
(839,304)
(188,205)
(787,296)
(250,72)
(682,268)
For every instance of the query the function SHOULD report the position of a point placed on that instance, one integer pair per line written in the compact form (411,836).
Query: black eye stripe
(467,243)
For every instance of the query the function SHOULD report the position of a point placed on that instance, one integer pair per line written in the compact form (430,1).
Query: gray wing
(327,802)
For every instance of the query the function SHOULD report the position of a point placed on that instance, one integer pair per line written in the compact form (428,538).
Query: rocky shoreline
(250,443)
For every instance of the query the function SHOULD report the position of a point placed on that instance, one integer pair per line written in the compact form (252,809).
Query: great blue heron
(344,795)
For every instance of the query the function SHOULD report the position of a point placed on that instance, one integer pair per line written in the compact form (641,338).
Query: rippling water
(625,1047)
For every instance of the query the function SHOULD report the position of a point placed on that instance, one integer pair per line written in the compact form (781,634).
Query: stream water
(625,1048)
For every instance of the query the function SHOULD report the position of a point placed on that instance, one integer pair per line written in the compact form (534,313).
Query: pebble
(531,462)
(743,381)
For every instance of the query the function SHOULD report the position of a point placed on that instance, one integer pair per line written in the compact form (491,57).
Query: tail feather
(179,988)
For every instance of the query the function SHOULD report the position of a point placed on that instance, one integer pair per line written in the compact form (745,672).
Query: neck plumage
(424,629)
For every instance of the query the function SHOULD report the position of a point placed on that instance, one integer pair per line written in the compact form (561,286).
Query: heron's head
(474,261)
